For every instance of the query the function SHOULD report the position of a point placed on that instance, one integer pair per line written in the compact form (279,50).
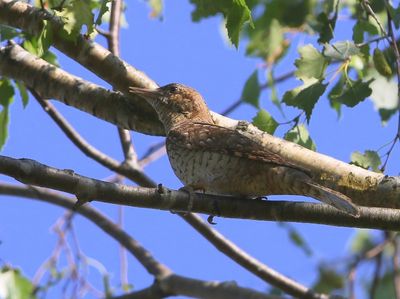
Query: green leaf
(265,122)
(268,42)
(370,159)
(386,114)
(31,45)
(305,96)
(384,95)
(311,64)
(235,19)
(341,50)
(297,238)
(14,286)
(103,9)
(156,8)
(299,134)
(251,90)
(50,57)
(235,12)
(23,93)
(381,63)
(38,45)
(7,32)
(336,90)
(328,280)
(385,288)
(6,98)
(353,92)
(75,15)
(361,27)
(362,242)
(46,36)
(395,13)
(325,28)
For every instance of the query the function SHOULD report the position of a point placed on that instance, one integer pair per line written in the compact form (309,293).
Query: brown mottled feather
(214,138)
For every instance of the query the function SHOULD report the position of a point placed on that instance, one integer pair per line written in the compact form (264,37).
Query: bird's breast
(221,173)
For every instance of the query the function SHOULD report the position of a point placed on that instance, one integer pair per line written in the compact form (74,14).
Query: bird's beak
(145,93)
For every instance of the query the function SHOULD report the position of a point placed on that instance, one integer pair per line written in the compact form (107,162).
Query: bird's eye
(173,89)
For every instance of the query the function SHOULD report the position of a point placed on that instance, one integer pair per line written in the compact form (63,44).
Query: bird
(223,161)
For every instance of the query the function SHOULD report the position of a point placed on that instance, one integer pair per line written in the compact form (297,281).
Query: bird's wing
(214,138)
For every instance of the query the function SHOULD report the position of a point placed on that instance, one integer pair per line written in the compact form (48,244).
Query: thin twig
(124,169)
(113,46)
(266,85)
(351,277)
(124,135)
(123,259)
(393,43)
(375,280)
(396,267)
(153,156)
(368,9)
(248,262)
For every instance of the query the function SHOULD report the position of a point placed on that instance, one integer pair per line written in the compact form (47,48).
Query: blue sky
(177,50)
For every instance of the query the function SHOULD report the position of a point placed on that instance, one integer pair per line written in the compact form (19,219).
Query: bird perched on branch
(223,161)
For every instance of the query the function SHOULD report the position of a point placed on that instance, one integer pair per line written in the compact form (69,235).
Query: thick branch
(52,82)
(89,54)
(34,173)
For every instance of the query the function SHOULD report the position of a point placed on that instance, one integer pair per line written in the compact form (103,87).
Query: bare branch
(134,247)
(167,283)
(129,172)
(376,275)
(91,55)
(209,289)
(152,292)
(52,82)
(86,189)
(253,265)
(396,267)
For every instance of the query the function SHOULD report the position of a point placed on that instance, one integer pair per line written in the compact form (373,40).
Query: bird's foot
(190,190)
(210,220)
(242,125)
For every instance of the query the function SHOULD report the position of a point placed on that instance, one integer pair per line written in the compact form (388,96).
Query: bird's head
(175,104)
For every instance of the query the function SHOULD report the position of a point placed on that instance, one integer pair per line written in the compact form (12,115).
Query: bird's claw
(190,191)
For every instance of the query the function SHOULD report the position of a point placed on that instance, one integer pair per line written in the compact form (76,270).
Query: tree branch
(89,54)
(123,169)
(52,82)
(86,189)
(134,247)
(167,282)
(259,269)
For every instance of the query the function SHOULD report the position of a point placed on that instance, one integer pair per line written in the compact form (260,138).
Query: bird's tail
(333,198)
